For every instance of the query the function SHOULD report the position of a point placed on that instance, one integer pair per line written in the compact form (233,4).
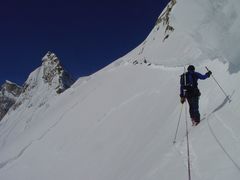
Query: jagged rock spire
(54,73)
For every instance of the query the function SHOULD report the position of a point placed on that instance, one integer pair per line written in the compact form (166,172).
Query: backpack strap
(194,79)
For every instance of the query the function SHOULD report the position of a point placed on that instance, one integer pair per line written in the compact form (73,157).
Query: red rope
(188,151)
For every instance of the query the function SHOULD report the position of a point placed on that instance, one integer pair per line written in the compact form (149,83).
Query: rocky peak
(48,79)
(54,73)
(9,92)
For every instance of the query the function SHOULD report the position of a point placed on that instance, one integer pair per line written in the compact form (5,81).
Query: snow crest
(203,29)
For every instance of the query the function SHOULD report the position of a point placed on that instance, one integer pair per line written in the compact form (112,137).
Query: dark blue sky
(86,35)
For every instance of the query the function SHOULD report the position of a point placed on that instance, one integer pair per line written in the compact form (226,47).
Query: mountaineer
(189,90)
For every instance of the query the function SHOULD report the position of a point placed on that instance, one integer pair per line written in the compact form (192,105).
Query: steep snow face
(9,93)
(190,31)
(119,123)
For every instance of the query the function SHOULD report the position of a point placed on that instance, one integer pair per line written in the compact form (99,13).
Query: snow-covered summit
(54,73)
(50,57)
(50,73)
(45,82)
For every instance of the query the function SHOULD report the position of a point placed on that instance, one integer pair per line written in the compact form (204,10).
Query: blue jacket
(197,75)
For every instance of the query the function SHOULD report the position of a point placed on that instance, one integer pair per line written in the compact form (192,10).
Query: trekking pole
(175,137)
(219,86)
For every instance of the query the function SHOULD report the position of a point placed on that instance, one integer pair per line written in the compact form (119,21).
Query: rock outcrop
(9,92)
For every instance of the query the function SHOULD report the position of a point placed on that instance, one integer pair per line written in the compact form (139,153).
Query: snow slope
(119,123)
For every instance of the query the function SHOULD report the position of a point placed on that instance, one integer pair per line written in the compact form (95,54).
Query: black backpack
(190,87)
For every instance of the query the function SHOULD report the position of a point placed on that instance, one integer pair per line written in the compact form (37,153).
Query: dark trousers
(194,108)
